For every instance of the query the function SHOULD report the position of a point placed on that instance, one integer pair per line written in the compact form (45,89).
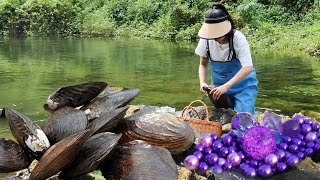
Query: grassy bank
(271,25)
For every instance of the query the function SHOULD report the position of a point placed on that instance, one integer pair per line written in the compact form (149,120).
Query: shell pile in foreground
(140,160)
(159,129)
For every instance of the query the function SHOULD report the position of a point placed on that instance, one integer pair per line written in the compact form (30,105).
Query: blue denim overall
(242,96)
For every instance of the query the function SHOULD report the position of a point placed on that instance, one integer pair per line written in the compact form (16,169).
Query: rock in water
(12,156)
(74,96)
(28,134)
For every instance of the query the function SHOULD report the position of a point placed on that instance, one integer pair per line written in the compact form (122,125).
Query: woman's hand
(202,88)
(218,91)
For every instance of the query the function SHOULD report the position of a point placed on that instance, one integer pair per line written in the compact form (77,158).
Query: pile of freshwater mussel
(90,130)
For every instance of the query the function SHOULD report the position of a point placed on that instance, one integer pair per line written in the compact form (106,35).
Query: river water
(165,72)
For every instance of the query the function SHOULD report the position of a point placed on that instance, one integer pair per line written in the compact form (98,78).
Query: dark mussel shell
(74,96)
(112,101)
(27,133)
(140,160)
(59,156)
(157,128)
(12,156)
(93,151)
(64,122)
(108,120)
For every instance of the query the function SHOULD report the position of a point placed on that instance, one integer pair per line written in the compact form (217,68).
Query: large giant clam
(157,128)
(74,96)
(28,134)
(140,160)
(119,99)
(64,122)
(12,156)
(93,151)
(58,156)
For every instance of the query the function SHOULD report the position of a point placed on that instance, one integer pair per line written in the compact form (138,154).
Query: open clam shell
(108,120)
(93,151)
(12,156)
(59,156)
(74,96)
(157,128)
(140,160)
(27,133)
(64,122)
(112,101)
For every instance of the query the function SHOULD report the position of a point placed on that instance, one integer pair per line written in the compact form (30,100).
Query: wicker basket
(201,126)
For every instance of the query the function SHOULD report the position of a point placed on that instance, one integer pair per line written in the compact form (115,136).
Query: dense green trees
(275,24)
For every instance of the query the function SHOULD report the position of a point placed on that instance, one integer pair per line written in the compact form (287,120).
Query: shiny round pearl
(250,172)
(211,158)
(208,150)
(287,154)
(317,147)
(243,166)
(242,156)
(306,128)
(292,160)
(281,167)
(287,139)
(232,149)
(297,141)
(271,159)
(191,162)
(226,140)
(214,137)
(265,170)
(199,147)
(302,149)
(310,144)
(310,137)
(308,121)
(216,169)
(221,161)
(299,119)
(254,163)
(205,140)
(234,159)
(227,166)
(315,127)
(198,154)
(280,153)
(216,145)
(224,151)
(283,146)
(301,155)
(300,136)
(203,167)
(293,148)
(309,152)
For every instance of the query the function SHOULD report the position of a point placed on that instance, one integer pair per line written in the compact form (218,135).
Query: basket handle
(185,109)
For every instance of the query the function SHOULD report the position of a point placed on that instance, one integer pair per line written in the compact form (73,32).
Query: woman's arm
(203,69)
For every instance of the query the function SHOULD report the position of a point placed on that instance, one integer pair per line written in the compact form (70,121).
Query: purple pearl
(290,128)
(281,167)
(293,148)
(214,137)
(208,150)
(300,136)
(315,127)
(301,155)
(191,162)
(310,144)
(241,154)
(254,163)
(216,169)
(287,139)
(303,143)
(310,137)
(239,140)
(292,160)
(297,141)
(205,140)
(216,145)
(271,159)
(299,119)
(306,128)
(223,151)
(280,153)
(318,140)
(199,147)
(265,170)
(309,152)
(234,159)
(198,154)
(227,140)
(243,166)
(287,155)
(316,147)
(232,149)
(308,121)
(227,166)
(221,161)
(250,172)
(302,149)
(211,158)
(203,167)
(283,146)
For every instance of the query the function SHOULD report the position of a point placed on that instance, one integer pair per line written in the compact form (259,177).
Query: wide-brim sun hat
(216,24)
